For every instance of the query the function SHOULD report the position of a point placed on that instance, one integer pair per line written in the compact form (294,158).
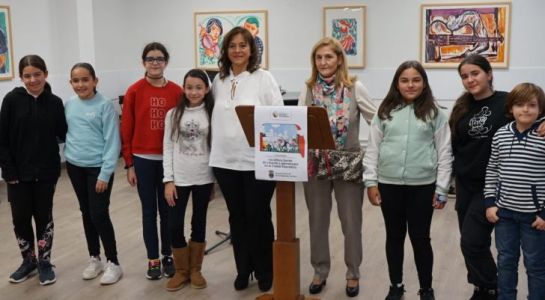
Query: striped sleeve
(515,172)
(491,179)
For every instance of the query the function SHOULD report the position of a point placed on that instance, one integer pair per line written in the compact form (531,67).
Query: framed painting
(347,25)
(6,52)
(210,27)
(450,32)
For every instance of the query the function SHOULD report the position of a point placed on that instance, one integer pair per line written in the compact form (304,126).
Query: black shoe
(353,291)
(316,288)
(241,282)
(490,294)
(264,284)
(46,273)
(25,270)
(154,269)
(480,293)
(395,293)
(477,294)
(426,294)
(168,266)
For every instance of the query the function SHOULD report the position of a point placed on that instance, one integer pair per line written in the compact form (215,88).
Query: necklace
(155,81)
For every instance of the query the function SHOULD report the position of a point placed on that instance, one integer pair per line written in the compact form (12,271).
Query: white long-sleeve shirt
(185,159)
(230,149)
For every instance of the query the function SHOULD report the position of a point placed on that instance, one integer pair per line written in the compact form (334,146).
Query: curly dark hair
(224,63)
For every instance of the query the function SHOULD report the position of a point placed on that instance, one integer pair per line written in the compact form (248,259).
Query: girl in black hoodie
(32,123)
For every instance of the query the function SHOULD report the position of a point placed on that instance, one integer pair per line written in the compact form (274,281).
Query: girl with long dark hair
(186,153)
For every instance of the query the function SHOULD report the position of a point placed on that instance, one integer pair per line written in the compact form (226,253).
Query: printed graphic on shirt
(477,128)
(157,113)
(193,142)
(90,115)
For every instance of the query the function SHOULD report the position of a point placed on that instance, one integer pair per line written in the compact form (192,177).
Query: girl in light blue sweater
(407,170)
(91,151)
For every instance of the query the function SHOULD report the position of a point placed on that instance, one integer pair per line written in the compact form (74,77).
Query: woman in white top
(241,82)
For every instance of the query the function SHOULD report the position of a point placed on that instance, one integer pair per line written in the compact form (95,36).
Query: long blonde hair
(341,76)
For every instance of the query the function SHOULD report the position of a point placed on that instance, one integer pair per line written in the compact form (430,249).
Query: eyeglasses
(158,59)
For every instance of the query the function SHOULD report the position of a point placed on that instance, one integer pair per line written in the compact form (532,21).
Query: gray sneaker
(26,269)
(46,273)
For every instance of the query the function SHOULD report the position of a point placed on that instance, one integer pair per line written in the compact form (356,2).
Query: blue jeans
(513,231)
(149,181)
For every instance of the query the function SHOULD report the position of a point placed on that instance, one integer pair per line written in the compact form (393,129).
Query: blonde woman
(345,99)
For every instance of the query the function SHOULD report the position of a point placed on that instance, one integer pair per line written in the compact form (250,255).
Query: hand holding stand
(286,264)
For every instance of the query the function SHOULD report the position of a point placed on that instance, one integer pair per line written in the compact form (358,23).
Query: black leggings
(176,214)
(94,210)
(408,207)
(29,200)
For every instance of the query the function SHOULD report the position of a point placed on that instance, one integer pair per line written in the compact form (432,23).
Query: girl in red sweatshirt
(145,105)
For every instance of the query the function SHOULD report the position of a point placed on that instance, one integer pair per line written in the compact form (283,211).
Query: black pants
(176,214)
(408,207)
(33,200)
(476,239)
(249,204)
(94,210)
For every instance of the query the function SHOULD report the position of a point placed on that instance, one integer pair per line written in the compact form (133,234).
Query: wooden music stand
(286,264)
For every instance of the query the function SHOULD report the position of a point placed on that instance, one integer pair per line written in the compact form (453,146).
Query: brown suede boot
(181,262)
(196,255)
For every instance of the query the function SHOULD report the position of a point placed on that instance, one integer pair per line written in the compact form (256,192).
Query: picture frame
(450,32)
(210,27)
(347,25)
(6,48)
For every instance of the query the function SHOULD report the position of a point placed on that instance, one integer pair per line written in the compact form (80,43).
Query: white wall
(122,28)
(294,26)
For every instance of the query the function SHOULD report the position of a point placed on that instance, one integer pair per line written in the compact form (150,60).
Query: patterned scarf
(337,103)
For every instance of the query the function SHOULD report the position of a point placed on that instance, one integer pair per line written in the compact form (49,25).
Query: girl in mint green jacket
(407,171)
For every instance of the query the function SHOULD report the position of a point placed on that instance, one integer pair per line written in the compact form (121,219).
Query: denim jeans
(149,175)
(513,231)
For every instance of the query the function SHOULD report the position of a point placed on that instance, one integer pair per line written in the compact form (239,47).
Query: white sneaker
(94,268)
(112,273)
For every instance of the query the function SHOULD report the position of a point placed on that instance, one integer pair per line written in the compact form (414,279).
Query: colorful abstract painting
(6,52)
(210,27)
(451,32)
(345,31)
(347,24)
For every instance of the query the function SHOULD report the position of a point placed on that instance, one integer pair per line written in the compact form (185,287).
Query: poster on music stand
(281,143)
